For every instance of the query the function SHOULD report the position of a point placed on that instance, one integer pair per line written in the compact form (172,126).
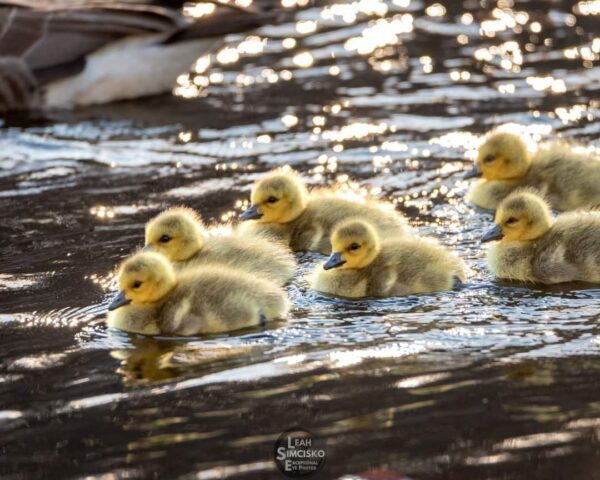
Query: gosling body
(203,300)
(282,206)
(178,233)
(212,299)
(141,319)
(533,247)
(569,180)
(312,229)
(398,266)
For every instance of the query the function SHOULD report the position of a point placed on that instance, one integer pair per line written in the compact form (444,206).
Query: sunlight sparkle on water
(350,11)
(355,131)
(346,358)
(184,136)
(464,140)
(436,10)
(197,10)
(394,146)
(202,64)
(303,60)
(252,45)
(228,55)
(588,53)
(288,43)
(16,282)
(506,88)
(503,19)
(588,7)
(555,85)
(294,3)
(574,113)
(102,212)
(509,53)
(305,27)
(289,120)
(531,133)
(382,32)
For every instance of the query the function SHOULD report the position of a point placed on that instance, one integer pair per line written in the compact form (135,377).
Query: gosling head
(503,156)
(354,244)
(278,198)
(177,233)
(146,277)
(521,216)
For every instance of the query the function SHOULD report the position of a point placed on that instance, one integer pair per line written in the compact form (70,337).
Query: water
(497,380)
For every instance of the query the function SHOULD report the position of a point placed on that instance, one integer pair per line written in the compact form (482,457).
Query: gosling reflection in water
(152,360)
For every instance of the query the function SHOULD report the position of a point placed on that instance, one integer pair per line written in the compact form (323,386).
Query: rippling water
(497,380)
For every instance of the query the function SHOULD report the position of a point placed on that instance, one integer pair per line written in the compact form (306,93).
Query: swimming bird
(68,54)
(179,234)
(531,246)
(202,300)
(283,206)
(364,265)
(569,180)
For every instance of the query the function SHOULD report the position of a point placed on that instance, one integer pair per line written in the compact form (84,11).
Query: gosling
(202,300)
(362,265)
(282,204)
(178,233)
(568,179)
(531,246)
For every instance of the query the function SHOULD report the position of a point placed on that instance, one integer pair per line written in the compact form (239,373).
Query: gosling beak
(251,214)
(334,261)
(147,248)
(119,300)
(494,233)
(473,173)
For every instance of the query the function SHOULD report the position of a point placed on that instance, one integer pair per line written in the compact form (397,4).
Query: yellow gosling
(178,233)
(305,220)
(568,179)
(202,300)
(363,265)
(531,246)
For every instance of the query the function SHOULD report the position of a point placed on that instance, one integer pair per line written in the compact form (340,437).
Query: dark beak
(334,261)
(473,173)
(493,234)
(251,214)
(119,301)
(148,248)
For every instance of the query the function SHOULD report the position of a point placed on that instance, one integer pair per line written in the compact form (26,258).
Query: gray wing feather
(47,38)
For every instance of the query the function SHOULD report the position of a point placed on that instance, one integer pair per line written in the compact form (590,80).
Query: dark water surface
(496,381)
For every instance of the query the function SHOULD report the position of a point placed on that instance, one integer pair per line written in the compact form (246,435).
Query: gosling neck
(167,285)
(526,166)
(371,255)
(541,229)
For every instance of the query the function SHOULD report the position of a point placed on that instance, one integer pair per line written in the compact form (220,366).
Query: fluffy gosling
(531,246)
(568,179)
(282,204)
(178,233)
(202,300)
(363,265)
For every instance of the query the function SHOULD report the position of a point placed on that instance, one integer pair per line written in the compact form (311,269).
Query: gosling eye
(272,199)
(137,284)
(164,239)
(489,158)
(354,246)
(511,220)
